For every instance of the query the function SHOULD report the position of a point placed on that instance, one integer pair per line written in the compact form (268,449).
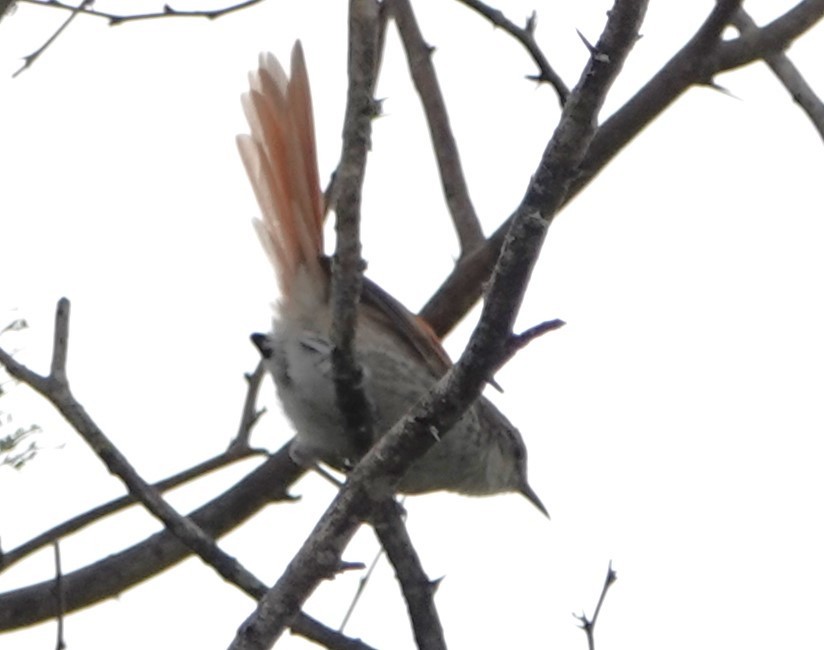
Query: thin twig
(167,12)
(587,624)
(364,580)
(250,413)
(60,595)
(455,191)
(526,37)
(29,60)
(517,342)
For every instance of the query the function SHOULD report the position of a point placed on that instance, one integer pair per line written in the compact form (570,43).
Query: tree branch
(55,388)
(587,624)
(788,74)
(774,37)
(96,514)
(690,66)
(29,60)
(347,264)
(418,589)
(117,572)
(455,191)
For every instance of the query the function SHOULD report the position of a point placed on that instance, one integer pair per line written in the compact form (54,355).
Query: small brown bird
(400,355)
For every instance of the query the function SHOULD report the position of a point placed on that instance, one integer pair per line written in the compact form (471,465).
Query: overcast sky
(674,425)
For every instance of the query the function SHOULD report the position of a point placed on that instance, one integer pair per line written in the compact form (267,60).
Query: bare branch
(55,389)
(347,264)
(418,589)
(696,63)
(168,12)
(314,630)
(526,37)
(456,193)
(117,572)
(96,514)
(60,350)
(788,74)
(362,583)
(588,625)
(60,595)
(29,60)
(704,56)
(517,342)
(250,414)
(774,37)
(376,476)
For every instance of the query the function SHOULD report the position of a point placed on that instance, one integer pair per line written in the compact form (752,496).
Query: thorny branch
(526,37)
(55,388)
(85,8)
(696,63)
(587,624)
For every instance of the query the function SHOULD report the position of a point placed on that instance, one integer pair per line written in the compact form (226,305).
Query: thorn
(593,51)
(589,45)
(721,89)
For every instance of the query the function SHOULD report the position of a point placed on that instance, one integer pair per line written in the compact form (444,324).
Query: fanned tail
(280,157)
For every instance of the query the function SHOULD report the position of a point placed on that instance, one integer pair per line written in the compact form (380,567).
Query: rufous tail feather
(280,157)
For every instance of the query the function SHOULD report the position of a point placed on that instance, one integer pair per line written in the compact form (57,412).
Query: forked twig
(587,624)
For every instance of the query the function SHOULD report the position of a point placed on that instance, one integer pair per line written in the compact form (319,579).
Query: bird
(400,355)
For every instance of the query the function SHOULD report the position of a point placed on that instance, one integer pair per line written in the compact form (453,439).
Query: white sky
(674,425)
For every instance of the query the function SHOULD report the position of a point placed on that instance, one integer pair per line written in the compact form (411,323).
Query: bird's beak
(529,493)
